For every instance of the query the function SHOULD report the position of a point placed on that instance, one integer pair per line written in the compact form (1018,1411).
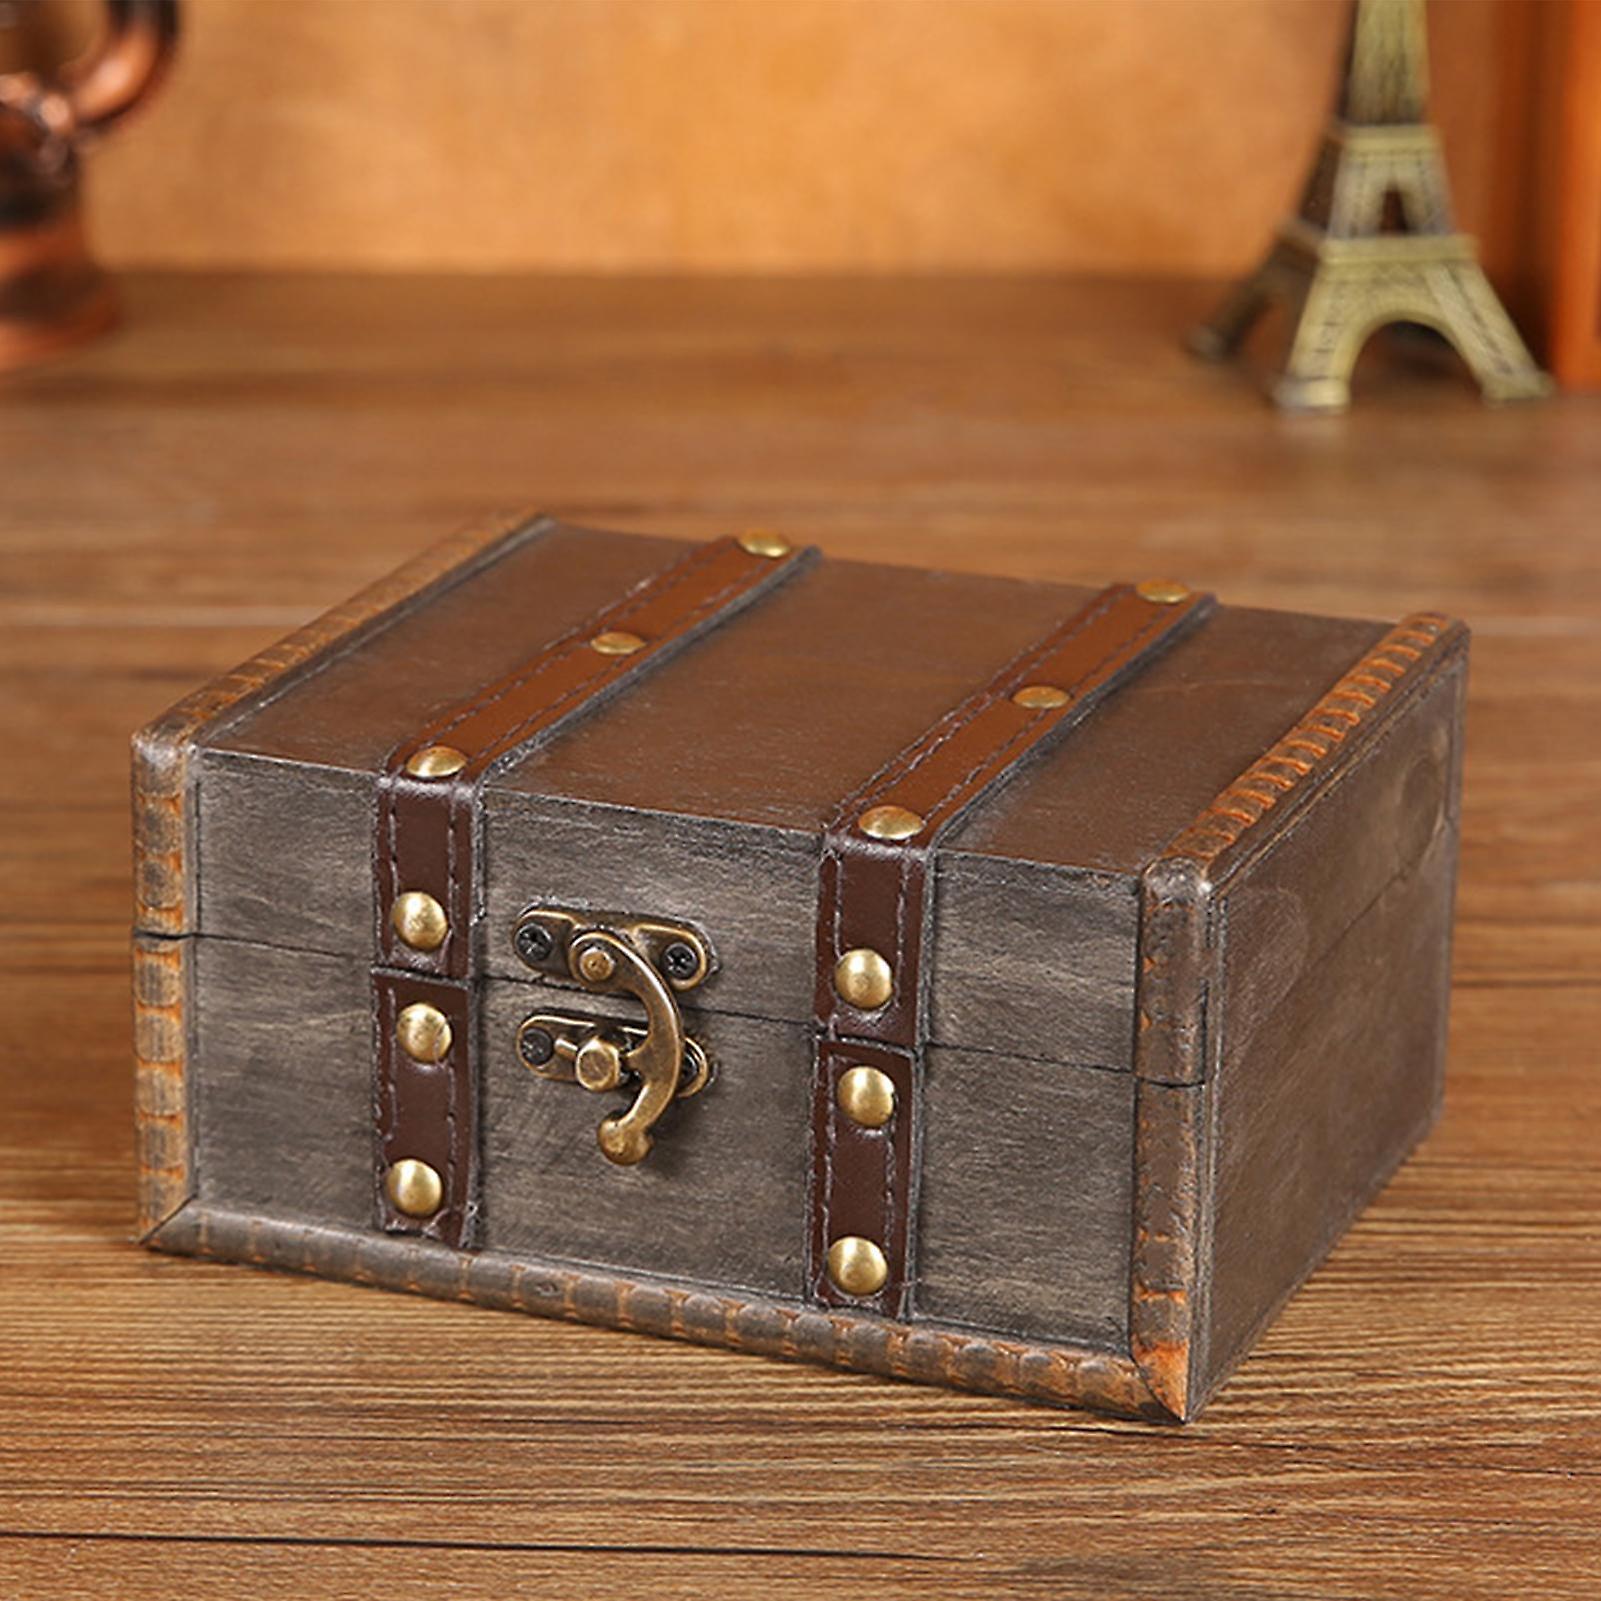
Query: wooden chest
(996,984)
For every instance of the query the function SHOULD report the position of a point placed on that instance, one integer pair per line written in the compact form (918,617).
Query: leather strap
(876,897)
(427,1112)
(428,851)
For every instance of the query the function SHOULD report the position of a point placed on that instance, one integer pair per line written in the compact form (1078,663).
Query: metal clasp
(651,960)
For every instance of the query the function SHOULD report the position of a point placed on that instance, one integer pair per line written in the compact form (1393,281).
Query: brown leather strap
(874,908)
(427,827)
(427,855)
(427,1111)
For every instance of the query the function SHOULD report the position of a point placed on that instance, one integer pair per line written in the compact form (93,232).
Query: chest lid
(700,783)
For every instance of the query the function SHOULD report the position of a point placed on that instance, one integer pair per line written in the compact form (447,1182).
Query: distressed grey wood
(1026,1193)
(720,1201)
(1034,963)
(1300,897)
(281,1075)
(282,1085)
(1332,1019)
(283,852)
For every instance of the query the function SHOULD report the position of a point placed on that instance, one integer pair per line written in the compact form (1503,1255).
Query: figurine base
(1373,245)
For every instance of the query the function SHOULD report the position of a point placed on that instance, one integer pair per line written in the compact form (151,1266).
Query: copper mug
(51,292)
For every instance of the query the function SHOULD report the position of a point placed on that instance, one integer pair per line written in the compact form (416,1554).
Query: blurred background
(1147,136)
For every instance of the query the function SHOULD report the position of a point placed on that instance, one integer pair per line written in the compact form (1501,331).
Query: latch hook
(666,1065)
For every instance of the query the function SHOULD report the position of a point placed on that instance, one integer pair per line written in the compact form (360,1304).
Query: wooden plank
(73,1568)
(1023,1220)
(721,1199)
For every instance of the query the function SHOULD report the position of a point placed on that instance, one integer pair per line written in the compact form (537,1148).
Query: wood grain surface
(1423,1420)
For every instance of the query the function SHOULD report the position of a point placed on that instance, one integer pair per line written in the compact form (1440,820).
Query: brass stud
(866,1096)
(1040,697)
(423,1032)
(889,822)
(863,978)
(1162,590)
(419,920)
(857,1266)
(596,965)
(758,542)
(436,761)
(413,1188)
(616,642)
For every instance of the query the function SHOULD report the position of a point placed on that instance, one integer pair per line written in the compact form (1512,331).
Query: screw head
(419,920)
(423,1032)
(863,979)
(534,942)
(413,1187)
(856,1266)
(536,1046)
(680,961)
(436,761)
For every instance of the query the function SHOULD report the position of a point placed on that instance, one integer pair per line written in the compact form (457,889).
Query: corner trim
(923,1353)
(161,986)
(1288,770)
(1176,989)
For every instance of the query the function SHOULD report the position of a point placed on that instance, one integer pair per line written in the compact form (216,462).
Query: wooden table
(1424,1420)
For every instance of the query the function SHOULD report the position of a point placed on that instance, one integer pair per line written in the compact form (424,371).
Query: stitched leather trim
(876,894)
(863,1177)
(428,839)
(427,828)
(428,1111)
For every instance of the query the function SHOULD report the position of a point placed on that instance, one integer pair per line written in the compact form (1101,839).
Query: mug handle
(127,61)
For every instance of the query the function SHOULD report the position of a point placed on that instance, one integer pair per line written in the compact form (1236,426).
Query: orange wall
(1099,135)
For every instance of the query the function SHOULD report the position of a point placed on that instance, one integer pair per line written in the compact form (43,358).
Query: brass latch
(651,960)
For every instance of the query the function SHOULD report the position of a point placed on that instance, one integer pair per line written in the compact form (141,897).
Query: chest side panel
(1330,1037)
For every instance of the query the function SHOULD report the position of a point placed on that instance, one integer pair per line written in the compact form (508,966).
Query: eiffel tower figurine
(1374,241)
